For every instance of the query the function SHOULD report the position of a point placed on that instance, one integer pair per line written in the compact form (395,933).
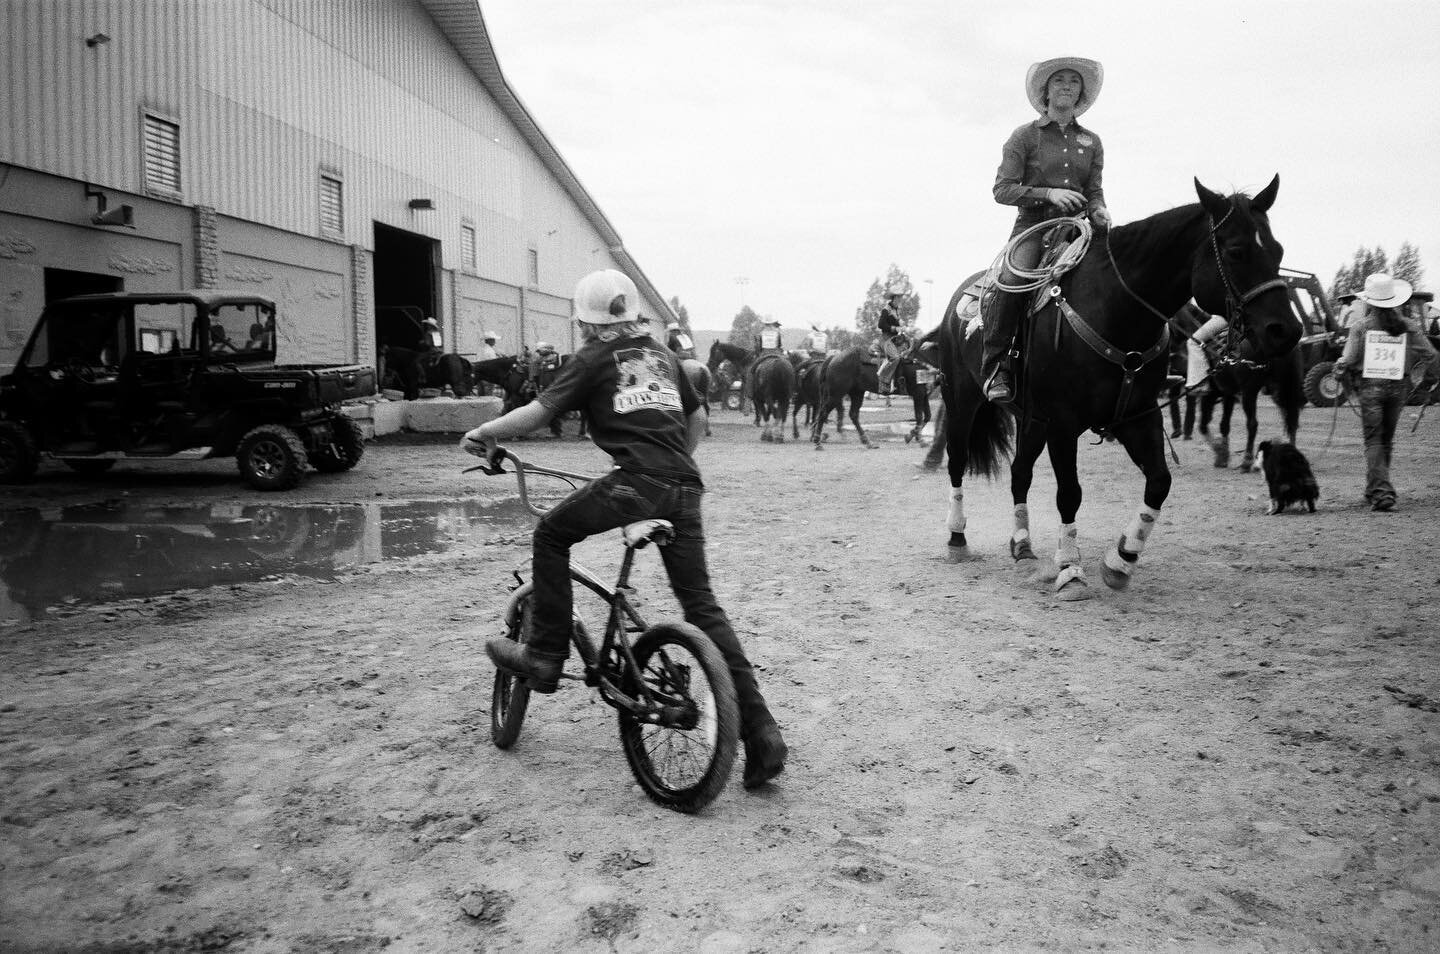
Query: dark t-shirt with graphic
(636,399)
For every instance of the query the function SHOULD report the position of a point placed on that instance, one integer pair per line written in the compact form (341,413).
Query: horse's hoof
(1070,584)
(1021,550)
(909,436)
(1114,580)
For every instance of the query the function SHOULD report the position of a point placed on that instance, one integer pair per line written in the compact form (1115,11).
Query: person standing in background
(1383,354)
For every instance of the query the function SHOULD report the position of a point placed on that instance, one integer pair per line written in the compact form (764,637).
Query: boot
(541,673)
(765,749)
(1000,320)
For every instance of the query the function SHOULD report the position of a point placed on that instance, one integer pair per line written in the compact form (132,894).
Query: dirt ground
(1239,753)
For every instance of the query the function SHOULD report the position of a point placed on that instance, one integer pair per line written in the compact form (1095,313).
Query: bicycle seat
(643,532)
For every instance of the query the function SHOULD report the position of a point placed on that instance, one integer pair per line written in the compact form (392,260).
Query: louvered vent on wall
(162,154)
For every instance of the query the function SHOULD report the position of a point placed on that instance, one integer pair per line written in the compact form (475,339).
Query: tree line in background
(1368,261)
(896,285)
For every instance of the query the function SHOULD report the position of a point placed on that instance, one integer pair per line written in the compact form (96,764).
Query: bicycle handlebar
(496,466)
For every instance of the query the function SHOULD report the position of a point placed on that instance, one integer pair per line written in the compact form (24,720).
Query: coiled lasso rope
(1032,278)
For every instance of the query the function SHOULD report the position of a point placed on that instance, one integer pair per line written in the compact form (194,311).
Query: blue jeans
(1380,405)
(613,501)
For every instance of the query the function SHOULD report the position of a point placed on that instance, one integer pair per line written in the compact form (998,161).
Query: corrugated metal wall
(269,92)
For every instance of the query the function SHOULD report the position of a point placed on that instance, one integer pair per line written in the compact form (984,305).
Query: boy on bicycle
(645,415)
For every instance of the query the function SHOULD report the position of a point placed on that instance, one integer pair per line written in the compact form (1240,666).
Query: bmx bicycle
(670,686)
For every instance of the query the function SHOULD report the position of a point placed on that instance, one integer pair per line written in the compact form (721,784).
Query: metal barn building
(362,162)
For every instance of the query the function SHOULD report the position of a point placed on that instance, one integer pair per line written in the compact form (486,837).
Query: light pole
(742,281)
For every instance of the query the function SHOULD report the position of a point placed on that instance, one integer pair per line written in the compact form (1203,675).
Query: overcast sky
(783,153)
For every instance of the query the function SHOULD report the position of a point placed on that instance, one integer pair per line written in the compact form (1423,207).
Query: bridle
(1235,301)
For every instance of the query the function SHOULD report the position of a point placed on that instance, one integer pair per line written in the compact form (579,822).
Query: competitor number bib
(1384,356)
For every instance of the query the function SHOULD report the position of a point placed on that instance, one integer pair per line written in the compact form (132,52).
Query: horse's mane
(1155,230)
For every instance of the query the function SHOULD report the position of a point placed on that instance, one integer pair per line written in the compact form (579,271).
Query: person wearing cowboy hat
(768,340)
(888,324)
(678,340)
(1351,308)
(430,337)
(1049,167)
(817,342)
(1384,353)
(646,416)
(487,350)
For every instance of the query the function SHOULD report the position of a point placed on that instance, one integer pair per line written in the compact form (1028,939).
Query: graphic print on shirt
(643,380)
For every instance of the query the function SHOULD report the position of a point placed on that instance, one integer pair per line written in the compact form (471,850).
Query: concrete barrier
(440,415)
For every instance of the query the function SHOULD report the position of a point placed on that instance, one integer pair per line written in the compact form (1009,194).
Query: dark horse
(720,352)
(773,382)
(1095,359)
(907,378)
(508,374)
(699,376)
(1284,376)
(850,374)
(413,370)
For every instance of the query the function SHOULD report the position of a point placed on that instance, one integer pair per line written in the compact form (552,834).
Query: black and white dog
(1288,473)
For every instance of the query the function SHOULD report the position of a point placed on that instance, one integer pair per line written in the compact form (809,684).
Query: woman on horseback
(889,327)
(1049,167)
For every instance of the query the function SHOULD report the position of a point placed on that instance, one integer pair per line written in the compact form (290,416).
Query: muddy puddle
(65,556)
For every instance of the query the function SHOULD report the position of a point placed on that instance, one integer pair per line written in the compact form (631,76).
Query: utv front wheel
(271,457)
(1323,387)
(18,456)
(346,449)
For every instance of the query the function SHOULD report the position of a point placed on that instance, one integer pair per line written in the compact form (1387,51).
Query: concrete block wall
(441,415)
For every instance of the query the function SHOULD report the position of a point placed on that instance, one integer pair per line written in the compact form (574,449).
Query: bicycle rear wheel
(683,758)
(510,696)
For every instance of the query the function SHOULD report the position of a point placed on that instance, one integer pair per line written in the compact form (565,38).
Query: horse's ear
(1266,197)
(1213,203)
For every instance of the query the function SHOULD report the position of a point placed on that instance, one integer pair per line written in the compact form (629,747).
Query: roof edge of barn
(463,25)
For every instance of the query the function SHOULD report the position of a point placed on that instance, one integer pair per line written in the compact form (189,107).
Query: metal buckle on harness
(1132,362)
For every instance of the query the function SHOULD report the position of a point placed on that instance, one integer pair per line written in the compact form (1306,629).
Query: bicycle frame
(622,618)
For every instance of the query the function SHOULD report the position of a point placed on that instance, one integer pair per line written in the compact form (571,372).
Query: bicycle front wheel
(510,696)
(683,753)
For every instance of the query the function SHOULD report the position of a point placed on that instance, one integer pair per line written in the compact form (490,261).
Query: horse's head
(716,356)
(1237,273)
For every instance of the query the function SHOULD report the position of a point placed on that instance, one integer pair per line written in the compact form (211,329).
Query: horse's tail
(991,440)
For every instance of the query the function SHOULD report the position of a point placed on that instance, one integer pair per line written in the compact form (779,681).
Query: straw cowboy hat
(1092,74)
(606,297)
(1382,291)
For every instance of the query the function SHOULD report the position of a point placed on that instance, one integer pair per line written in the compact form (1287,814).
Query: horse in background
(699,377)
(807,390)
(1284,377)
(412,370)
(848,374)
(907,379)
(509,375)
(773,380)
(741,358)
(1095,359)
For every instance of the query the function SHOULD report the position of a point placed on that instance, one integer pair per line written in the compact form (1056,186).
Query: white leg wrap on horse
(1139,530)
(1067,553)
(1022,523)
(957,510)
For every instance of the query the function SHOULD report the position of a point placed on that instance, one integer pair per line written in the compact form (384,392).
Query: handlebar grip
(496,464)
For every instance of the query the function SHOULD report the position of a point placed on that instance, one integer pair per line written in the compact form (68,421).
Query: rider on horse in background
(892,343)
(816,343)
(1049,167)
(544,365)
